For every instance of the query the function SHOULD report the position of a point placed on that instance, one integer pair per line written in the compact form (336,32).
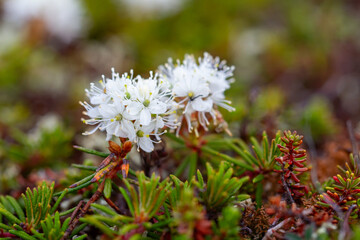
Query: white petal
(111,128)
(134,108)
(146,144)
(107,111)
(98,99)
(157,107)
(145,117)
(93,112)
(147,129)
(130,130)
(202,105)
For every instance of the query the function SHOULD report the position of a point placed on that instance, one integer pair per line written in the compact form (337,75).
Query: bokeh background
(297,67)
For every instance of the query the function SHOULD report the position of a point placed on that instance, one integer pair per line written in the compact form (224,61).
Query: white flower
(198,87)
(142,137)
(62,18)
(147,100)
(132,108)
(118,123)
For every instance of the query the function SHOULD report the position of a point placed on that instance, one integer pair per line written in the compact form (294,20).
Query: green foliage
(36,204)
(152,194)
(261,155)
(229,223)
(220,187)
(40,147)
(143,204)
(186,213)
(318,116)
(35,220)
(345,190)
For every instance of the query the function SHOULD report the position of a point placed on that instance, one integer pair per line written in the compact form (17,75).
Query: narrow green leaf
(7,204)
(22,235)
(175,138)
(258,195)
(58,201)
(128,228)
(3,226)
(81,237)
(128,201)
(17,208)
(258,178)
(107,188)
(200,179)
(96,223)
(65,224)
(67,211)
(179,170)
(192,164)
(78,229)
(37,234)
(75,189)
(91,151)
(9,216)
(227,158)
(104,209)
(57,224)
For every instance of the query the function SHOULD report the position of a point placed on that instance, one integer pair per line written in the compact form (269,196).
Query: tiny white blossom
(198,87)
(147,100)
(142,137)
(132,108)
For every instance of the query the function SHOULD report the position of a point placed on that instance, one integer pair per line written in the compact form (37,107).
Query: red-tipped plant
(292,165)
(344,192)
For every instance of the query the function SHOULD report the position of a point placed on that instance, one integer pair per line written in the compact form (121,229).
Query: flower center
(118,117)
(146,103)
(127,95)
(140,133)
(191,94)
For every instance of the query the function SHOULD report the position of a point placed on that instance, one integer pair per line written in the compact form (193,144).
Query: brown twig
(78,207)
(112,204)
(83,211)
(286,187)
(270,232)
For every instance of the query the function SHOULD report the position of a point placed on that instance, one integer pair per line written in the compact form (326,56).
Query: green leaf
(127,199)
(81,237)
(192,162)
(179,170)
(258,195)
(104,209)
(92,152)
(59,200)
(78,229)
(22,235)
(258,178)
(9,216)
(17,208)
(200,179)
(93,221)
(227,158)
(107,188)
(127,228)
(3,226)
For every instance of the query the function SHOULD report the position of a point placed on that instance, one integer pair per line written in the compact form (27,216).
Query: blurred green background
(297,66)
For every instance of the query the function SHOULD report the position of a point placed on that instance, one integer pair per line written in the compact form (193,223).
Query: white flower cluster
(63,19)
(199,87)
(132,108)
(138,108)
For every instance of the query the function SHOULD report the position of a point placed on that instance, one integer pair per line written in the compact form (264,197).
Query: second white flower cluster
(140,109)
